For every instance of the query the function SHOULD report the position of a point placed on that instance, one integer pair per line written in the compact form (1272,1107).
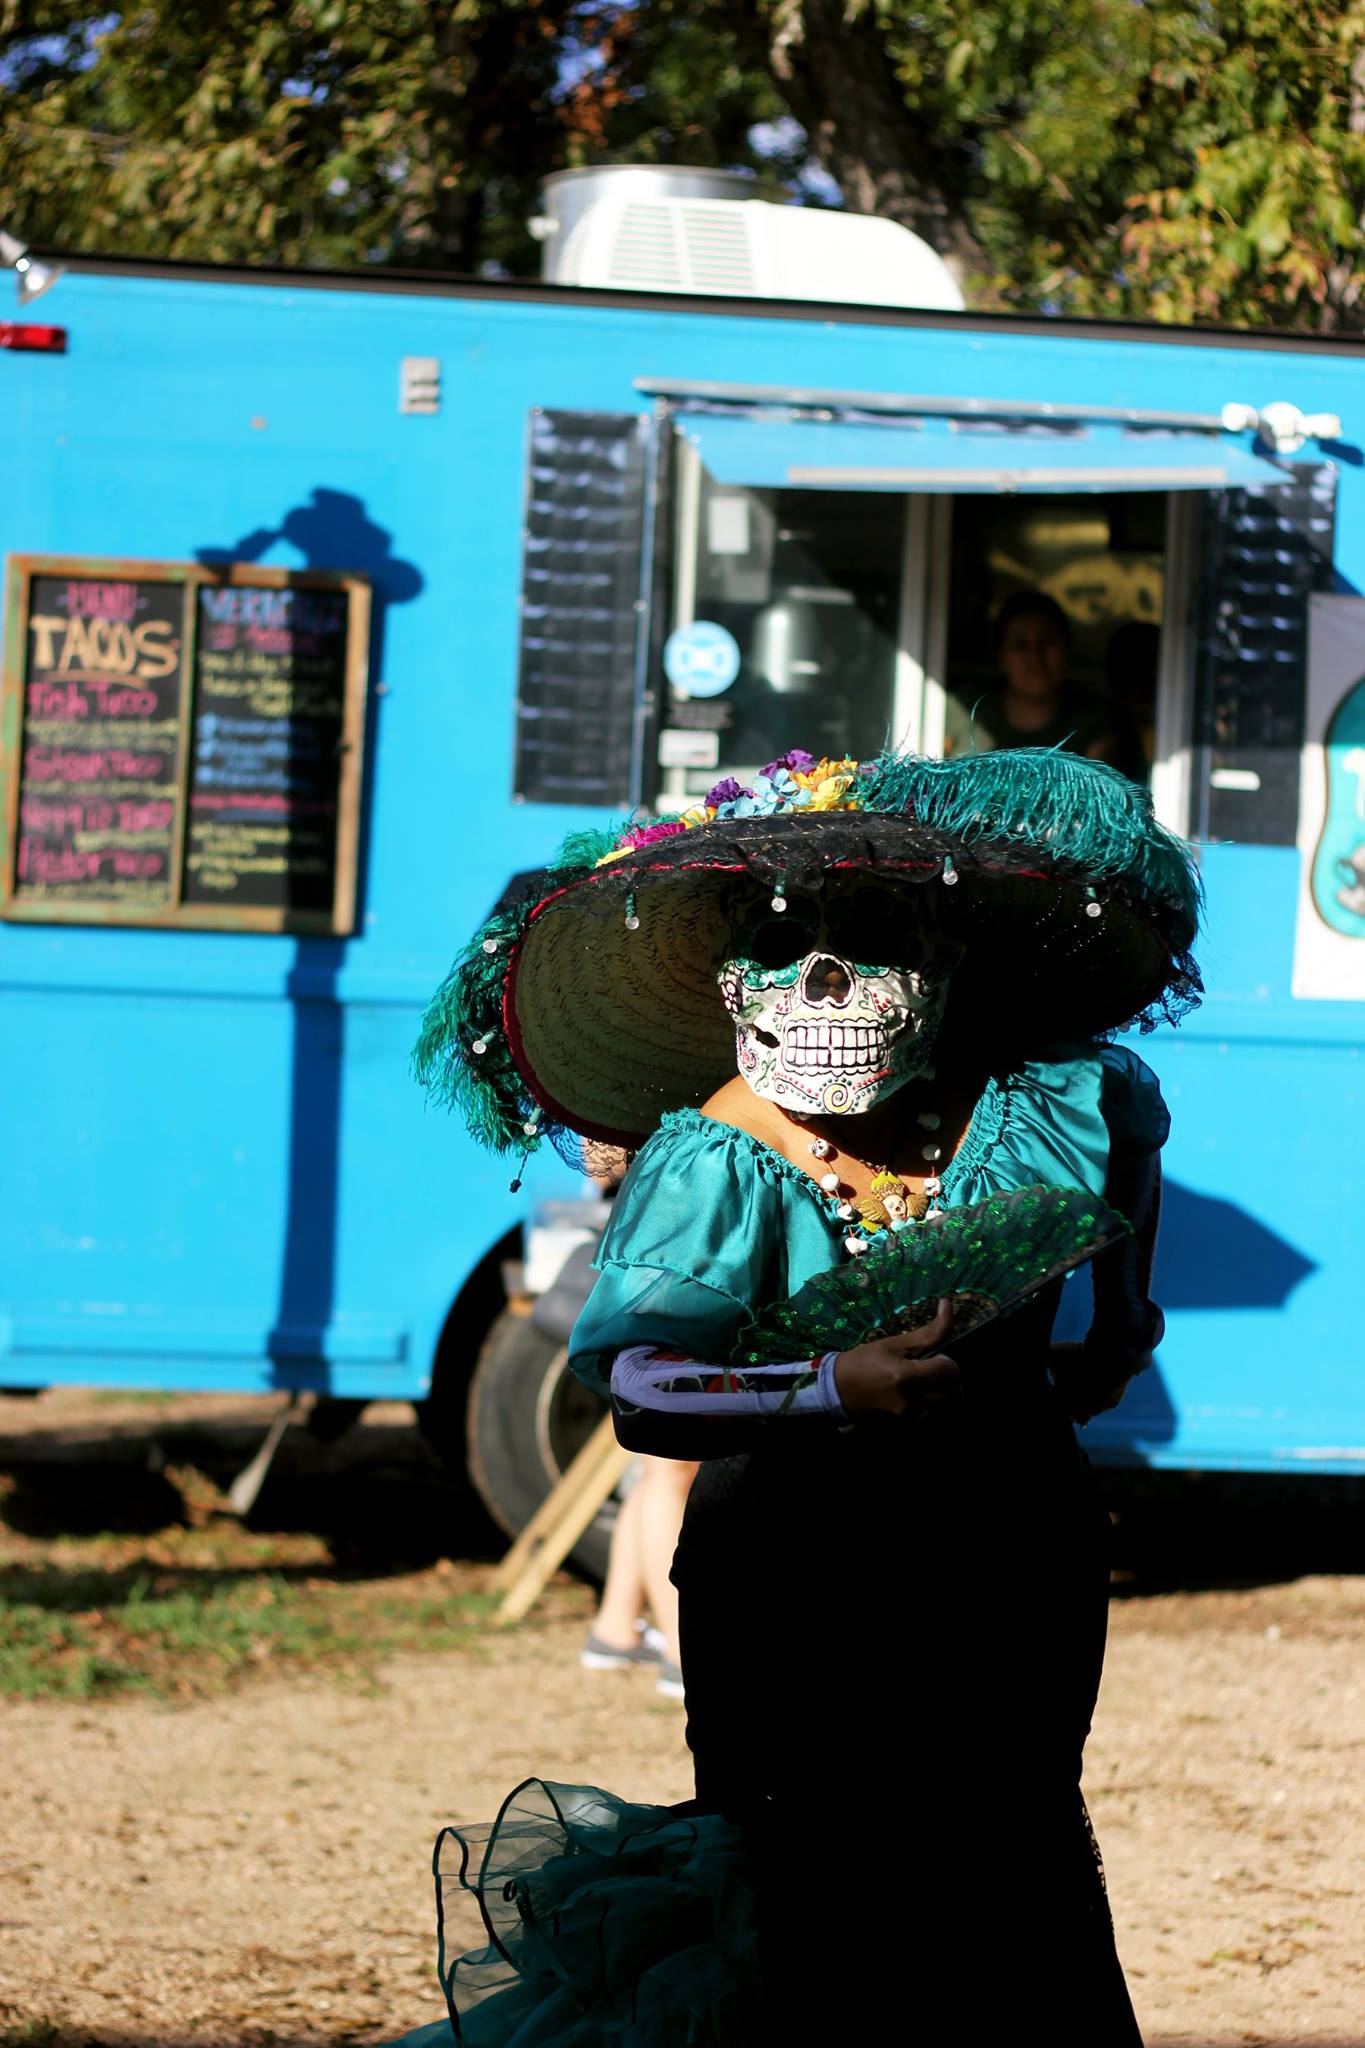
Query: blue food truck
(334,601)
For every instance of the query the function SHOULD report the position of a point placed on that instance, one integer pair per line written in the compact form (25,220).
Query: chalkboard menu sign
(101,741)
(182,745)
(265,769)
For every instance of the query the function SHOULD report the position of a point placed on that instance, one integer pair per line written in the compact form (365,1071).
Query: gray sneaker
(670,1682)
(596,1655)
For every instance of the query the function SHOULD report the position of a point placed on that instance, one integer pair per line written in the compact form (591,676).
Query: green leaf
(959,62)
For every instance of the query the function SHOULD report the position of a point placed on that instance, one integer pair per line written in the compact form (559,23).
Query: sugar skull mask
(822,1027)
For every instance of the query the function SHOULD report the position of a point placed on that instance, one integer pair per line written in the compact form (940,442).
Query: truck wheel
(528,1418)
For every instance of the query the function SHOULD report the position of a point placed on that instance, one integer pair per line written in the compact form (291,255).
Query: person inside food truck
(1035,703)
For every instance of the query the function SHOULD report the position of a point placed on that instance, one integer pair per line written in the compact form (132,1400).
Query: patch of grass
(83,1633)
(131,1397)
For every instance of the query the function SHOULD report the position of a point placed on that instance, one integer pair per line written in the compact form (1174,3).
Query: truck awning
(847,455)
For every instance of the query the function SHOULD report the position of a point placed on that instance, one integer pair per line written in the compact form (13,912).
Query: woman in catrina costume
(853,1022)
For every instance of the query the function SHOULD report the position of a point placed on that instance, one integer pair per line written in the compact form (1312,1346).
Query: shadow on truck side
(331,530)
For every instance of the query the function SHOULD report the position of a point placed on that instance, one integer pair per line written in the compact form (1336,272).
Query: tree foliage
(1265,221)
(330,132)
(1156,157)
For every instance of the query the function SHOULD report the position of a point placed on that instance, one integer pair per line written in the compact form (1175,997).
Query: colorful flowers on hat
(829,783)
(776,789)
(726,791)
(644,835)
(795,781)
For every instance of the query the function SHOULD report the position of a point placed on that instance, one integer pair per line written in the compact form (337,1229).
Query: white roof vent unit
(664,245)
(647,228)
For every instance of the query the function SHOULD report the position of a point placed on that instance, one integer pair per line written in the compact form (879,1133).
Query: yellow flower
(829,793)
(829,783)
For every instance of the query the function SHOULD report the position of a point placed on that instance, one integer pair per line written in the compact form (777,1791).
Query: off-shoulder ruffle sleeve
(1063,1121)
(706,1225)
(1047,1124)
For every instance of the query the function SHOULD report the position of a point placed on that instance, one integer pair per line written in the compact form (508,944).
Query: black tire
(528,1418)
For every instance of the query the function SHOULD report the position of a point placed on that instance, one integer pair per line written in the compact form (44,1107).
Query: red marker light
(45,340)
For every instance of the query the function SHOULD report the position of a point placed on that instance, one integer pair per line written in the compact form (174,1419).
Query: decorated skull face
(821,1028)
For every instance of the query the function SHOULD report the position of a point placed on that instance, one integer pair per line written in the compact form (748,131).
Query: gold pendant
(890,1201)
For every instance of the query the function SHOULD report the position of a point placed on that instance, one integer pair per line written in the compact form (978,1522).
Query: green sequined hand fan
(989,1258)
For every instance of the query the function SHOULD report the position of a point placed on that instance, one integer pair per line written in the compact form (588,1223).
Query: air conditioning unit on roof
(653,228)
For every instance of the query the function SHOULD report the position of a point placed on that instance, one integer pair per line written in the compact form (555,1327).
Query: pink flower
(644,835)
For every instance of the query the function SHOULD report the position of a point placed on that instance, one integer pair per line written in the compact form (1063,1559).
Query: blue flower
(778,792)
(769,795)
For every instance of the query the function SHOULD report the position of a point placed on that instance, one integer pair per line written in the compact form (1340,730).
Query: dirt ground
(253,1867)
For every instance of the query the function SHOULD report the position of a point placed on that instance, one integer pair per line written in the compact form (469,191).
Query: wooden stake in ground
(247,1485)
(558,1523)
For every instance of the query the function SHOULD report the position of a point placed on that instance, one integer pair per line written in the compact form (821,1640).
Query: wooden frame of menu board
(181,745)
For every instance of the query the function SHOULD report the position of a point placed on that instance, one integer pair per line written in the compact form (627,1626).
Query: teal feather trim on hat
(1084,814)
(585,849)
(467,1010)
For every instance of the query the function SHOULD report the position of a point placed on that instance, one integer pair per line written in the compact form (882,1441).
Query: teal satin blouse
(710,1222)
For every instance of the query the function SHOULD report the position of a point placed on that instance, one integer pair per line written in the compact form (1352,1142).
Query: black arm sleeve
(1127,1324)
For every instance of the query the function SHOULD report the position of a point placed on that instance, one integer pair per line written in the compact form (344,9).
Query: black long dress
(893,1639)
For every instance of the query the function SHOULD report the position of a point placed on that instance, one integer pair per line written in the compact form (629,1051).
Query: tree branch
(839,80)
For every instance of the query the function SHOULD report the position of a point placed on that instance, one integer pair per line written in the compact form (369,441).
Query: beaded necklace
(890,1203)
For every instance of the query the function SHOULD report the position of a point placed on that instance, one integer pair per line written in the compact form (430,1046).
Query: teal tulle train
(606,1922)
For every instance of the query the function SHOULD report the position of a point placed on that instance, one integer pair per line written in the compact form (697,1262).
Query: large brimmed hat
(589,1004)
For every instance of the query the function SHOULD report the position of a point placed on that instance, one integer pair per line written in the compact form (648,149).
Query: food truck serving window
(182,744)
(733,576)
(1210,550)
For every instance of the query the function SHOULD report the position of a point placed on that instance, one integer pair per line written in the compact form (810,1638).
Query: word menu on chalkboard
(182,745)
